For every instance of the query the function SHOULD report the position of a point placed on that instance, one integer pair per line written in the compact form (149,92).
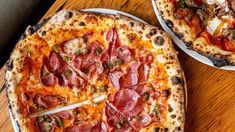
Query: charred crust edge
(39,25)
(169,23)
(34,28)
(219,62)
(9,64)
(179,35)
(10,107)
(176,80)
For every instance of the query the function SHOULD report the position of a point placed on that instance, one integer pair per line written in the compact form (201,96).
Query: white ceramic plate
(182,46)
(105,11)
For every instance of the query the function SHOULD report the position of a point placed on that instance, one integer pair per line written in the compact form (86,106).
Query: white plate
(105,11)
(182,45)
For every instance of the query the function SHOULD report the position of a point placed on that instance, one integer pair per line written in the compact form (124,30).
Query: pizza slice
(152,81)
(205,26)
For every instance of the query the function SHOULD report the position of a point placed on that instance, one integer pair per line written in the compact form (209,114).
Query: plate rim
(182,45)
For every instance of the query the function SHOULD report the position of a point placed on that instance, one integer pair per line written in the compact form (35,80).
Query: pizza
(79,71)
(206,26)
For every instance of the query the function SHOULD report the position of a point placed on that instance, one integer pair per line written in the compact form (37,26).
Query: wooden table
(211,92)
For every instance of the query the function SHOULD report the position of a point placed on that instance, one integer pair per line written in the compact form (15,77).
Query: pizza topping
(146,96)
(46,127)
(87,36)
(125,99)
(213,24)
(109,35)
(64,115)
(232,4)
(103,88)
(142,121)
(131,37)
(74,46)
(56,48)
(143,72)
(95,127)
(53,62)
(193,3)
(124,53)
(48,101)
(47,78)
(131,78)
(99,50)
(67,77)
(92,89)
(115,120)
(180,3)
(89,65)
(115,76)
(79,128)
(128,102)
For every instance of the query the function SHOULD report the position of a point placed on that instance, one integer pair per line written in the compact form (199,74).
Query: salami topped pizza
(117,73)
(206,26)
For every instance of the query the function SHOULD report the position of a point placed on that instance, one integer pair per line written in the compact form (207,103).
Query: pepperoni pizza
(122,75)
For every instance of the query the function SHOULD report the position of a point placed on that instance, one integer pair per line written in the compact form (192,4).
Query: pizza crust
(69,20)
(176,80)
(13,75)
(218,56)
(184,32)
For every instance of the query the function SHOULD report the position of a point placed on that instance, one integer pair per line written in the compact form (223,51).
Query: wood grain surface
(211,92)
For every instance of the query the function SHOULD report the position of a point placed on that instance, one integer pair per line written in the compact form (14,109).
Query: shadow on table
(40,8)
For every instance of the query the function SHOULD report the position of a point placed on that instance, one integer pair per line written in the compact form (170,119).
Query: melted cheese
(213,24)
(220,2)
(216,25)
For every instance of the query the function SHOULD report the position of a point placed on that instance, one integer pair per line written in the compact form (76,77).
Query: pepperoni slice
(48,101)
(143,71)
(109,35)
(124,53)
(64,115)
(79,128)
(114,77)
(141,121)
(45,126)
(125,99)
(47,78)
(53,62)
(128,102)
(115,121)
(89,65)
(99,127)
(87,36)
(131,78)
(67,77)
